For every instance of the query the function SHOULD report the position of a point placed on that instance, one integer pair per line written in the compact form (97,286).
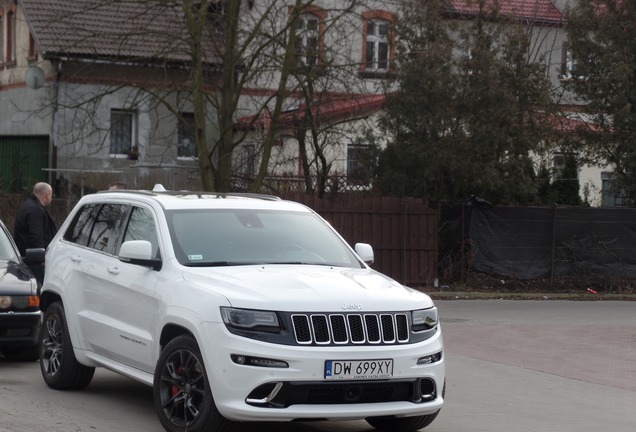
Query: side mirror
(139,252)
(365,252)
(34,256)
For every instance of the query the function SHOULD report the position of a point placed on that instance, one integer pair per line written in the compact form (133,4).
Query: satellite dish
(34,77)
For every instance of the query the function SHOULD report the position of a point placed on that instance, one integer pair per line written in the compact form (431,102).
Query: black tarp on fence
(532,242)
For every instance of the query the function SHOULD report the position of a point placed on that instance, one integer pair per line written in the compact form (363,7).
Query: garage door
(21,161)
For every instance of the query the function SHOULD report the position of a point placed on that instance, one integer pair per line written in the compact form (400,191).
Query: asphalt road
(512,366)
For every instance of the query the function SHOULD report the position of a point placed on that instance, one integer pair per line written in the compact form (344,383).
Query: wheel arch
(171,331)
(47,298)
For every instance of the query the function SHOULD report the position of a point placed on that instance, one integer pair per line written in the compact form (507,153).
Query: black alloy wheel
(183,399)
(60,369)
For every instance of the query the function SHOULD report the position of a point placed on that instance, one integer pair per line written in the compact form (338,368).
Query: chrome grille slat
(350,328)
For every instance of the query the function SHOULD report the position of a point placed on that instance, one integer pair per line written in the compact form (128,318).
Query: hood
(307,288)
(15,278)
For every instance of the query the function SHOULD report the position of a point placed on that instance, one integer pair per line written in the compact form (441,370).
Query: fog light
(433,358)
(258,361)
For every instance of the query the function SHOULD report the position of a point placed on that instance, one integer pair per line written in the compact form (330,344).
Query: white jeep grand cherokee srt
(235,308)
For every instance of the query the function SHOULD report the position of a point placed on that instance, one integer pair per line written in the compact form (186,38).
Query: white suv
(236,308)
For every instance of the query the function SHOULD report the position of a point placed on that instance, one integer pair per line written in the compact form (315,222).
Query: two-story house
(71,109)
(70,76)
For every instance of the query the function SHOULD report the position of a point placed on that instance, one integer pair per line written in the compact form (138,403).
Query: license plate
(358,369)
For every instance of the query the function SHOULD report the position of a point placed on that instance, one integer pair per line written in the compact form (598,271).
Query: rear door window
(79,231)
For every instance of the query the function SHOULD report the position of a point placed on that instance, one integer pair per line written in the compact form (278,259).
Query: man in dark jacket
(34,227)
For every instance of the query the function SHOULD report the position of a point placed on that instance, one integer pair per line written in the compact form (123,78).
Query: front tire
(401,424)
(60,369)
(181,390)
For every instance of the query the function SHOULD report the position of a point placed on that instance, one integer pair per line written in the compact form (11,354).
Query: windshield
(222,237)
(7,252)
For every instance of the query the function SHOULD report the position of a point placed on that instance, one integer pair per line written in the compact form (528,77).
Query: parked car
(20,314)
(236,307)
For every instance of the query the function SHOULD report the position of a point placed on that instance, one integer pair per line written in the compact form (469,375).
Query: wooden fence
(403,232)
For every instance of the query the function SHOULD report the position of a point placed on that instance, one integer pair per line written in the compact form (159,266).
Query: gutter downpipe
(55,91)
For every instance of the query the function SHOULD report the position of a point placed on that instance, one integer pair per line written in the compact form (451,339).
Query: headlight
(247,319)
(424,319)
(5,302)
(19,302)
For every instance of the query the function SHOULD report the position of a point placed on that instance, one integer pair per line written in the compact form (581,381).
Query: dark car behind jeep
(20,315)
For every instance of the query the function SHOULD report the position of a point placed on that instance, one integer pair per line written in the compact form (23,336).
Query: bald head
(44,193)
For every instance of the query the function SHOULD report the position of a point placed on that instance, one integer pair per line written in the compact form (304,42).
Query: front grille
(353,328)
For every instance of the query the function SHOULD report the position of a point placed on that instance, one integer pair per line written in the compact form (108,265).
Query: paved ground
(513,366)
(535,366)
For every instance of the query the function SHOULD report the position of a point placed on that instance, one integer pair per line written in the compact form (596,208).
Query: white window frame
(353,163)
(133,132)
(306,34)
(559,160)
(569,64)
(374,39)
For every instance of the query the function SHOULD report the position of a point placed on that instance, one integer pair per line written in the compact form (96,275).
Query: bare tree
(168,58)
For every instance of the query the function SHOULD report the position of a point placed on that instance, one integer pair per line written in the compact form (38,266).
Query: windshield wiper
(317,263)
(214,264)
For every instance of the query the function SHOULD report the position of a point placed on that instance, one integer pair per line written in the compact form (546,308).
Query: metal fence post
(552,254)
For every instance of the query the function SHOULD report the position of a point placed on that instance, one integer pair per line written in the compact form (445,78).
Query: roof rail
(160,190)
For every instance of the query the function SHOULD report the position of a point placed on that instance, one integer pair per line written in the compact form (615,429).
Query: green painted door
(21,161)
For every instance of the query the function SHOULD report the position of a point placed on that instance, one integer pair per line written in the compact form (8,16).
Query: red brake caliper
(175,389)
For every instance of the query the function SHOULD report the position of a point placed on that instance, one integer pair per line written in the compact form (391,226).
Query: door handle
(76,258)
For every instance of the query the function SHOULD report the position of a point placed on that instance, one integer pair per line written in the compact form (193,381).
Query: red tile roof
(121,30)
(323,112)
(539,11)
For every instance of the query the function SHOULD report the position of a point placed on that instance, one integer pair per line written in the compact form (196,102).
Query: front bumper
(300,391)
(18,329)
